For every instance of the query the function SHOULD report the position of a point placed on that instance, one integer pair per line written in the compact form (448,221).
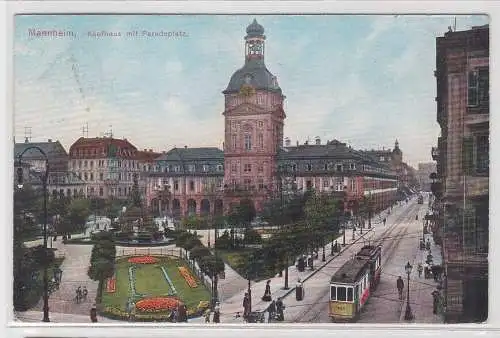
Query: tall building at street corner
(109,165)
(461,186)
(61,181)
(255,163)
(423,175)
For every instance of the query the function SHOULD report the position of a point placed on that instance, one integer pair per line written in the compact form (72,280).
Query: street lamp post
(408,314)
(45,212)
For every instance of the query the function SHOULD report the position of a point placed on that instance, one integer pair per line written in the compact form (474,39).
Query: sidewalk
(57,317)
(233,305)
(421,300)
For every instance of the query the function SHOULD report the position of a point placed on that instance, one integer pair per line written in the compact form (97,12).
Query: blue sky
(366,80)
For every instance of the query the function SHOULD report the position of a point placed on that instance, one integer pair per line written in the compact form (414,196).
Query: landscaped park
(148,288)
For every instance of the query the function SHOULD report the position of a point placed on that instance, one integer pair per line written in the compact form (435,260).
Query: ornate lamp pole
(408,314)
(45,211)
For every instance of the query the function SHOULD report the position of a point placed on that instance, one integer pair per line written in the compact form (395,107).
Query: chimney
(145,150)
(50,140)
(297,143)
(185,147)
(150,150)
(287,142)
(318,141)
(26,140)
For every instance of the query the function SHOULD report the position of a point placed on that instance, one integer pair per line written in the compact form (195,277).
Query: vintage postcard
(231,169)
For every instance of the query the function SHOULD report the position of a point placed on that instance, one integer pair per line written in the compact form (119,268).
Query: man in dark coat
(279,310)
(400,285)
(272,311)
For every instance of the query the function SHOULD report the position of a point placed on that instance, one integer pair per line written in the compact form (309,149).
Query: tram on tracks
(353,283)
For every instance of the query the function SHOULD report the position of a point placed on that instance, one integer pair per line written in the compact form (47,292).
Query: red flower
(188,277)
(143,260)
(157,304)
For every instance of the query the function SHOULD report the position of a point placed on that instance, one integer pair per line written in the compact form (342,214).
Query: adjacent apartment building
(462,155)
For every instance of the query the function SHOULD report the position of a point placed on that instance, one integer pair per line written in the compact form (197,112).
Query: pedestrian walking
(246,306)
(435,301)
(280,307)
(207,316)
(216,318)
(384,221)
(182,314)
(85,293)
(267,292)
(420,269)
(400,285)
(93,314)
(271,310)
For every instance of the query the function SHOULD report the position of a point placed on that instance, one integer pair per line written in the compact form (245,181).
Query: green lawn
(149,280)
(152,281)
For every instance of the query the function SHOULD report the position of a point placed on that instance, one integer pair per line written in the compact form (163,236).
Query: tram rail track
(405,216)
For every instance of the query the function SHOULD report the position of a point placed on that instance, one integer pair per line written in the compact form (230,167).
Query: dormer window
(352,166)
(309,167)
(325,167)
(338,167)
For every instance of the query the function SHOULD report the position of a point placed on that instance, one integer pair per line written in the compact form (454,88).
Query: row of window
(247,141)
(119,176)
(247,168)
(83,152)
(326,167)
(190,168)
(248,184)
(346,294)
(107,163)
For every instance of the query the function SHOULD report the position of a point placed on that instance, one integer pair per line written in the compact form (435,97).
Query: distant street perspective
(382,218)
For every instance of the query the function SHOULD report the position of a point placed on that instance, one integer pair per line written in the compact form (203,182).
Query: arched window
(261,141)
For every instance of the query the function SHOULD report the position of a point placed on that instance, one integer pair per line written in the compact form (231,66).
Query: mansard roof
(51,149)
(192,154)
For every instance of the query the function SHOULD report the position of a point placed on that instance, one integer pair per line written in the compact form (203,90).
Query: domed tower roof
(254,29)
(254,73)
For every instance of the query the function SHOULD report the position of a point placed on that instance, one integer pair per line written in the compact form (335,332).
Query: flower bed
(157,304)
(188,277)
(143,260)
(111,284)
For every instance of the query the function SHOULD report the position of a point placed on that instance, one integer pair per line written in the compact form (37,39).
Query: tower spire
(254,42)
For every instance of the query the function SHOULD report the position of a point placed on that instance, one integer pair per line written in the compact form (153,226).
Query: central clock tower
(254,119)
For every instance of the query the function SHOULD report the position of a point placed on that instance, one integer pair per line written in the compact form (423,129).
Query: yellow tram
(352,284)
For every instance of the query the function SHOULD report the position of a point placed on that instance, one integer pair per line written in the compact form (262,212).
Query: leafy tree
(211,265)
(102,261)
(78,212)
(198,252)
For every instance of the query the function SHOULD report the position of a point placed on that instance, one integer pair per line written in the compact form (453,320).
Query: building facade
(423,175)
(461,185)
(254,163)
(106,165)
(336,168)
(253,122)
(187,181)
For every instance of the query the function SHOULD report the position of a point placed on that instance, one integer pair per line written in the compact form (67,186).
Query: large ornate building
(107,165)
(255,164)
(253,120)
